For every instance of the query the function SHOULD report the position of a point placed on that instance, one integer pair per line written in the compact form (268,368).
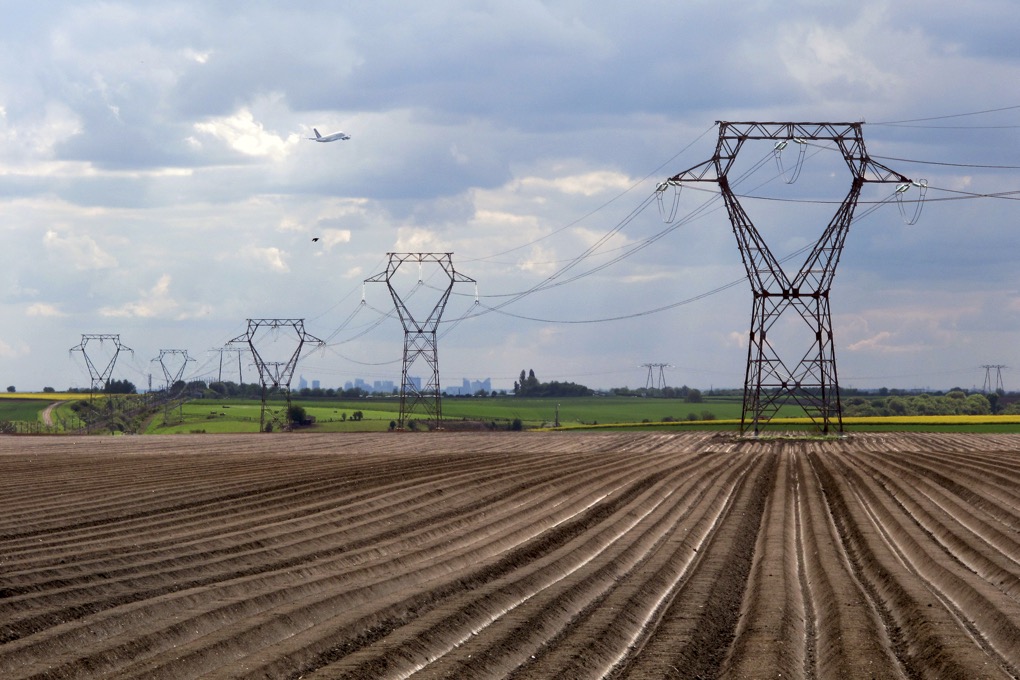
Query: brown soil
(520,555)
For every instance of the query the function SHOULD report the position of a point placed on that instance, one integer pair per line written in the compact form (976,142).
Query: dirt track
(642,555)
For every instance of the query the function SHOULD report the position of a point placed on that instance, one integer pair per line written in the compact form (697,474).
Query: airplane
(328,138)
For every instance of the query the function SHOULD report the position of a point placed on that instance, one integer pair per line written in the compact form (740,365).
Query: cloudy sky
(156,182)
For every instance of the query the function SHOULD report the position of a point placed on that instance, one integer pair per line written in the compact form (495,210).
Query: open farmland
(522,555)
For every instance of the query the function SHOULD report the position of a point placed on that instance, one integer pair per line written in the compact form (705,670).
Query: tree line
(529,386)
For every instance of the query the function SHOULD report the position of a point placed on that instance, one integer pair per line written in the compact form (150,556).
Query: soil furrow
(511,555)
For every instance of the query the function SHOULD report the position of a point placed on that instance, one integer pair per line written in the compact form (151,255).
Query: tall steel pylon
(97,375)
(420,333)
(172,374)
(649,383)
(237,350)
(987,387)
(811,381)
(275,374)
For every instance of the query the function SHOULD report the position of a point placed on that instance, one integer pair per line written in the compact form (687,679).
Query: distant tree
(10,388)
(48,390)
(296,414)
(693,396)
(896,405)
(532,382)
(120,387)
(993,401)
(977,405)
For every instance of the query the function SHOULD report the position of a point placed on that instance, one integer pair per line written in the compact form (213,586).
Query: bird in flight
(328,138)
(315,238)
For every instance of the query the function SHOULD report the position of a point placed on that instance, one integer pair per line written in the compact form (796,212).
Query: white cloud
(586,184)
(270,257)
(156,302)
(539,261)
(418,240)
(79,250)
(244,134)
(44,309)
(15,351)
(333,237)
(850,57)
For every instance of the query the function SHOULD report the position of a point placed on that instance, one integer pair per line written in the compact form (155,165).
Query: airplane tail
(317,135)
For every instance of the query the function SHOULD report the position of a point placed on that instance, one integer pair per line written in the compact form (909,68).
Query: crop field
(211,415)
(510,555)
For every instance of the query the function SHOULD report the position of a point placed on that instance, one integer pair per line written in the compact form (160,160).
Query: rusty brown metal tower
(806,377)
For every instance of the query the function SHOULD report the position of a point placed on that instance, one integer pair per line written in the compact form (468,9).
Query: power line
(612,200)
(950,165)
(948,116)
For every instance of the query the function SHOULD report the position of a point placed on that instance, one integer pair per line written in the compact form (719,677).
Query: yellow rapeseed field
(45,396)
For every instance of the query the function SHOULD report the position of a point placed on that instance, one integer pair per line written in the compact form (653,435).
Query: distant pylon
(275,374)
(173,375)
(239,351)
(420,334)
(100,376)
(649,383)
(987,387)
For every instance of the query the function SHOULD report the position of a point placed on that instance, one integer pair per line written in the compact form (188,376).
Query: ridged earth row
(510,555)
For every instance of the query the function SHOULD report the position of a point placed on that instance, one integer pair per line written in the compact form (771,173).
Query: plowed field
(521,555)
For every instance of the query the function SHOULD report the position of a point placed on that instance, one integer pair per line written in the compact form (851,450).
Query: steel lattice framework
(650,382)
(100,376)
(166,358)
(275,375)
(236,350)
(988,387)
(420,335)
(770,382)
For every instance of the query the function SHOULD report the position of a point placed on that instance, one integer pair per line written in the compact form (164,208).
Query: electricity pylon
(987,388)
(770,382)
(173,376)
(662,376)
(275,374)
(100,376)
(237,350)
(420,334)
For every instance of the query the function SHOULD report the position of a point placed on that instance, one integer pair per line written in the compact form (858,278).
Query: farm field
(520,555)
(212,415)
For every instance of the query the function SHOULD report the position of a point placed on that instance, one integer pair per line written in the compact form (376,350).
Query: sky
(157,183)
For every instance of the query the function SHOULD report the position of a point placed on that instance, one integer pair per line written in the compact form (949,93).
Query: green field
(636,413)
(21,409)
(208,415)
